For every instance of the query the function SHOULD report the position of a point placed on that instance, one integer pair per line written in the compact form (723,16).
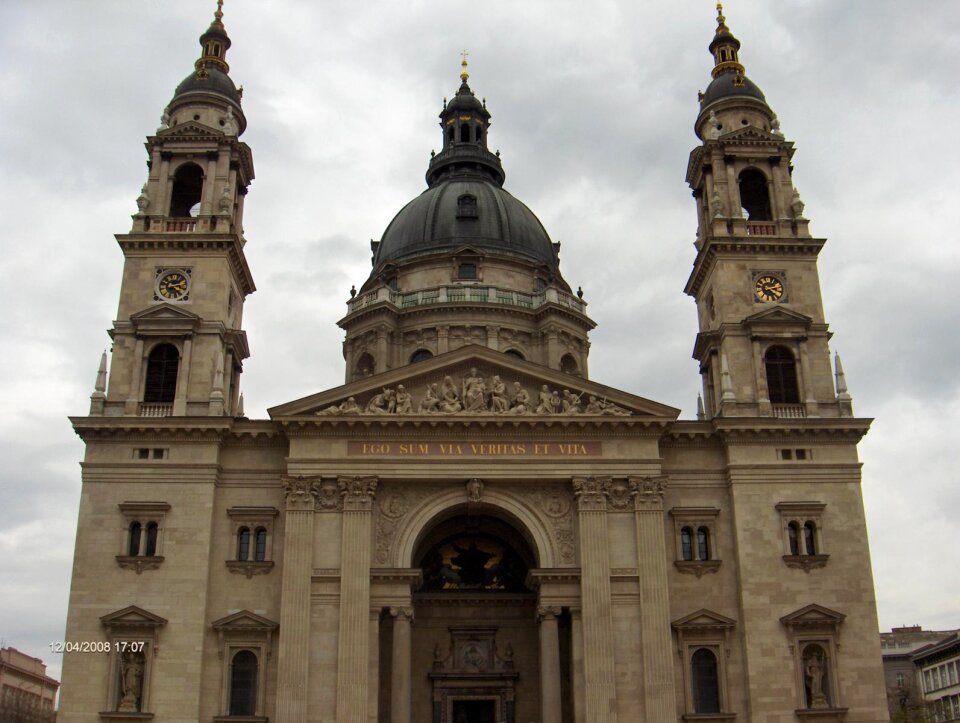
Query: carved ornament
(301,492)
(649,492)
(357,492)
(591,493)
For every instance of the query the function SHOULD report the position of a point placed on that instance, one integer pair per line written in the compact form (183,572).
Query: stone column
(294,645)
(381,361)
(132,405)
(354,637)
(549,665)
(576,645)
(373,667)
(760,376)
(443,339)
(183,379)
(600,696)
(656,649)
(493,337)
(400,685)
(806,381)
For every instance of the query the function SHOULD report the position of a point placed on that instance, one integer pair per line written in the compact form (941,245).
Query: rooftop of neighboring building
(907,639)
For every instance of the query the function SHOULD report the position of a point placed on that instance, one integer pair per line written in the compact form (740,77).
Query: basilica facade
(470,529)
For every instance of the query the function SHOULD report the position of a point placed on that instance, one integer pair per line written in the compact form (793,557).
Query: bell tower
(763,341)
(178,345)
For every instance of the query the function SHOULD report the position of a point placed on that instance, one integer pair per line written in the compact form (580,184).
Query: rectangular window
(953,672)
(927,681)
(801,454)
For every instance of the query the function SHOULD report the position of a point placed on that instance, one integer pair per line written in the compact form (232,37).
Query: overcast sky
(593,105)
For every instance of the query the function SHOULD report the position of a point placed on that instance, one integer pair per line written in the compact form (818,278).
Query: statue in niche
(449,399)
(384,403)
(474,392)
(520,404)
(813,672)
(131,682)
(430,404)
(404,401)
(498,396)
(474,490)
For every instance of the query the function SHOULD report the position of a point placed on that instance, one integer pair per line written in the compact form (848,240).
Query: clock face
(768,288)
(172,285)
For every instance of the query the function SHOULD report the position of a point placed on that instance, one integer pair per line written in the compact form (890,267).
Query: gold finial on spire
(720,19)
(463,67)
(218,15)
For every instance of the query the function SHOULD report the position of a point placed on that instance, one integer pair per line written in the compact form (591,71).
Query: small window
(514,353)
(153,530)
(243,683)
(781,369)
(365,365)
(420,355)
(161,380)
(464,133)
(467,271)
(568,365)
(136,532)
(243,543)
(810,538)
(187,191)
(467,206)
(539,284)
(686,543)
(706,684)
(143,453)
(786,454)
(450,135)
(260,545)
(801,454)
(479,134)
(793,534)
(703,543)
(159,453)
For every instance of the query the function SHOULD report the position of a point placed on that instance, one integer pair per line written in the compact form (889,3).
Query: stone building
(471,529)
(938,670)
(905,695)
(27,693)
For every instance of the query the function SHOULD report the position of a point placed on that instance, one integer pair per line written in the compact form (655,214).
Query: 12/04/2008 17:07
(97,646)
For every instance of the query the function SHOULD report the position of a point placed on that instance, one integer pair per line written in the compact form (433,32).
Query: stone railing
(461,294)
(150,409)
(789,411)
(181,225)
(761,229)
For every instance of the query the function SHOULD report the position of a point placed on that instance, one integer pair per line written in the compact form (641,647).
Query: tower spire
(464,75)
(724,48)
(214,43)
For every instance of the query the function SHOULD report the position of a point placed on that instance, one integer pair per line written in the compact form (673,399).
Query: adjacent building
(471,529)
(27,693)
(938,668)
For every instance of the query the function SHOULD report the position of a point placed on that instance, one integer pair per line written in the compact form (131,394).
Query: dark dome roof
(430,223)
(723,87)
(465,100)
(216,82)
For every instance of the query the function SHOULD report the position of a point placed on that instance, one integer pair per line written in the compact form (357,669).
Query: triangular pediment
(191,130)
(244,620)
(703,619)
(750,133)
(779,315)
(813,616)
(132,617)
(474,380)
(164,311)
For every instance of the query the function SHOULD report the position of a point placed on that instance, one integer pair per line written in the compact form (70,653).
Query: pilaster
(354,637)
(294,647)
(597,611)
(655,643)
(400,685)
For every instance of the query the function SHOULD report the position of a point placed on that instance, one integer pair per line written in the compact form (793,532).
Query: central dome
(466,211)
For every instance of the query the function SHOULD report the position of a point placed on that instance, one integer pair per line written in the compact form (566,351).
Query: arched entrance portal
(477,639)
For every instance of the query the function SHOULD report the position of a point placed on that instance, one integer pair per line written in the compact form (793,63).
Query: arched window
(754,196)
(479,134)
(161,380)
(781,370)
(703,544)
(810,538)
(260,545)
(451,135)
(467,206)
(420,355)
(365,365)
(464,133)
(706,683)
(243,544)
(568,365)
(243,683)
(793,534)
(136,530)
(187,191)
(514,353)
(686,543)
(151,547)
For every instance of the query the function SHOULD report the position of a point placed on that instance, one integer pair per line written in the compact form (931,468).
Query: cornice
(193,242)
(197,429)
(747,246)
(750,430)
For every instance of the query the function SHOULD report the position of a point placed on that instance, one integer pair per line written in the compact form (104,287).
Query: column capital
(548,612)
(591,493)
(648,492)
(301,491)
(402,613)
(357,492)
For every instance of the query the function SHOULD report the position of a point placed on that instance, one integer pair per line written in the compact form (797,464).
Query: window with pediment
(703,639)
(132,635)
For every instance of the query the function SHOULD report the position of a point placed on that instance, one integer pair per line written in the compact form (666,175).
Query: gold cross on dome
(463,65)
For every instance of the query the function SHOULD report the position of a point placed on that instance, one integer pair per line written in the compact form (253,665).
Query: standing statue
(230,123)
(474,490)
(797,204)
(404,401)
(164,120)
(226,202)
(545,401)
(498,396)
(474,392)
(813,670)
(143,200)
(449,399)
(131,682)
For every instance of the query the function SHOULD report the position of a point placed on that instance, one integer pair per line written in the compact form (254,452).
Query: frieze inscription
(475,449)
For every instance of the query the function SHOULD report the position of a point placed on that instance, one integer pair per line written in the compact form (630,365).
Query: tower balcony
(143,223)
(460,294)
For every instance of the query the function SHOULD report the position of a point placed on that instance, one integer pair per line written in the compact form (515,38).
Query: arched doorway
(476,641)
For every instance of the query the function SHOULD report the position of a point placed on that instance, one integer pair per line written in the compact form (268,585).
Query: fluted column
(656,649)
(600,704)
(549,664)
(576,643)
(294,645)
(400,685)
(354,637)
